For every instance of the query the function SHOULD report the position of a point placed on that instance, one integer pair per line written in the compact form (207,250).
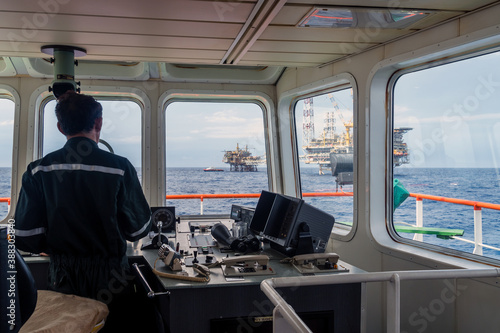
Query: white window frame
(258,98)
(381,84)
(286,110)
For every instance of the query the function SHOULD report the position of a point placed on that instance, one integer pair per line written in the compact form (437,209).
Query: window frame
(390,192)
(8,92)
(322,92)
(175,96)
(286,108)
(40,97)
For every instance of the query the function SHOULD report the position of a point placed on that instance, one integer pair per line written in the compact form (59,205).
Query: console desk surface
(217,278)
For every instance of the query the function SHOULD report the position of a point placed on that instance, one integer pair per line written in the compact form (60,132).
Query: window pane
(7,108)
(121,129)
(325,133)
(453,142)
(224,136)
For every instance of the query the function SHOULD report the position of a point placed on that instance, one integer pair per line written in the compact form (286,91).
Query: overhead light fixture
(362,17)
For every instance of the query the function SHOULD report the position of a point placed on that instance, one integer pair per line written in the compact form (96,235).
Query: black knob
(195,260)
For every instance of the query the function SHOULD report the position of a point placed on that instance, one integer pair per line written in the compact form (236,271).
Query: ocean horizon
(475,184)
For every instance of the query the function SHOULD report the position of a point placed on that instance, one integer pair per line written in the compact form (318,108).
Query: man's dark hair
(76,113)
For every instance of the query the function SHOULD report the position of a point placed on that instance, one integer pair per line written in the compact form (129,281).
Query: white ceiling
(252,32)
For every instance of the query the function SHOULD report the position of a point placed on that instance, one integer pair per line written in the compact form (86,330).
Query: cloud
(228,117)
(218,125)
(248,128)
(401,109)
(127,139)
(9,123)
(177,139)
(440,119)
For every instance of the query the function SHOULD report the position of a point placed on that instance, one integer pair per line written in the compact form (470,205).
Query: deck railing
(477,206)
(201,197)
(478,220)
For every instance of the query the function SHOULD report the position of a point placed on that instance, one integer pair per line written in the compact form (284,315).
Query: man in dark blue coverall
(80,205)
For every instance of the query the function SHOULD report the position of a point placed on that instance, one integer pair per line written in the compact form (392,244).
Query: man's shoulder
(98,157)
(113,158)
(48,159)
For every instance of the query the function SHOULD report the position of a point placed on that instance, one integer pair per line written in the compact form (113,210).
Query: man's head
(78,115)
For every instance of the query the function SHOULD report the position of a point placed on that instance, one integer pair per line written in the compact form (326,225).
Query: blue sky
(454,111)
(121,129)
(198,133)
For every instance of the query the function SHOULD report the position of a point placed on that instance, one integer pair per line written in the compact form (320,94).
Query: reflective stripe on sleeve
(140,231)
(31,232)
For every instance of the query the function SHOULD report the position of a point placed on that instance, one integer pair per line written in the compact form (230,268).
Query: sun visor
(92,69)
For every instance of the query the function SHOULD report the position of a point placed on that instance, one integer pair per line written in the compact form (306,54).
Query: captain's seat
(48,311)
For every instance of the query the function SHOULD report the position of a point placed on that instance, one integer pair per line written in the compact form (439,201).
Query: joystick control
(195,260)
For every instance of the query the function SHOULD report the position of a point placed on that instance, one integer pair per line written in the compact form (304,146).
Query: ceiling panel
(250,32)
(290,15)
(126,26)
(309,47)
(178,10)
(329,35)
(287,57)
(153,54)
(104,39)
(280,62)
(124,53)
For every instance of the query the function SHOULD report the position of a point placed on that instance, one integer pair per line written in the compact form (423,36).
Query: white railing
(478,219)
(285,319)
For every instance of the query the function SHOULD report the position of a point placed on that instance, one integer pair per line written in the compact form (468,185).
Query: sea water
(474,184)
(479,184)
(470,184)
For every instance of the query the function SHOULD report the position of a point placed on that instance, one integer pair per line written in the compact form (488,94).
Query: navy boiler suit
(80,204)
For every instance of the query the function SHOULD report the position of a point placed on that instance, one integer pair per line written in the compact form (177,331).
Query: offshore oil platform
(334,151)
(242,159)
(401,154)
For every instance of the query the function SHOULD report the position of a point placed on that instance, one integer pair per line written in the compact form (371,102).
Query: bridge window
(324,126)
(7,108)
(121,130)
(446,155)
(203,138)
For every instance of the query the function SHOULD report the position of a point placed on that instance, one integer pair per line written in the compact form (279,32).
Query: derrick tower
(308,122)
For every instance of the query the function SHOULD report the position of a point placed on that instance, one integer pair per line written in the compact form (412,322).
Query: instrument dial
(164,215)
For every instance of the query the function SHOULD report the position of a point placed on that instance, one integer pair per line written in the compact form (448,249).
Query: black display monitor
(262,211)
(291,225)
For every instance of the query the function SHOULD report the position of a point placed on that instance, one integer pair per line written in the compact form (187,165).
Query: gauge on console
(166,215)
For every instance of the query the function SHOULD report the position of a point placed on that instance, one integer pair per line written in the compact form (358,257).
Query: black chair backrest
(18,289)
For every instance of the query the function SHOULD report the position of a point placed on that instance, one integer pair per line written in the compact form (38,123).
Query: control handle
(145,283)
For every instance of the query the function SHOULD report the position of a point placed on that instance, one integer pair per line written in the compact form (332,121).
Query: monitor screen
(291,225)
(262,211)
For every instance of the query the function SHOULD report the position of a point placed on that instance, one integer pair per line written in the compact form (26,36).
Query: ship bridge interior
(275,54)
